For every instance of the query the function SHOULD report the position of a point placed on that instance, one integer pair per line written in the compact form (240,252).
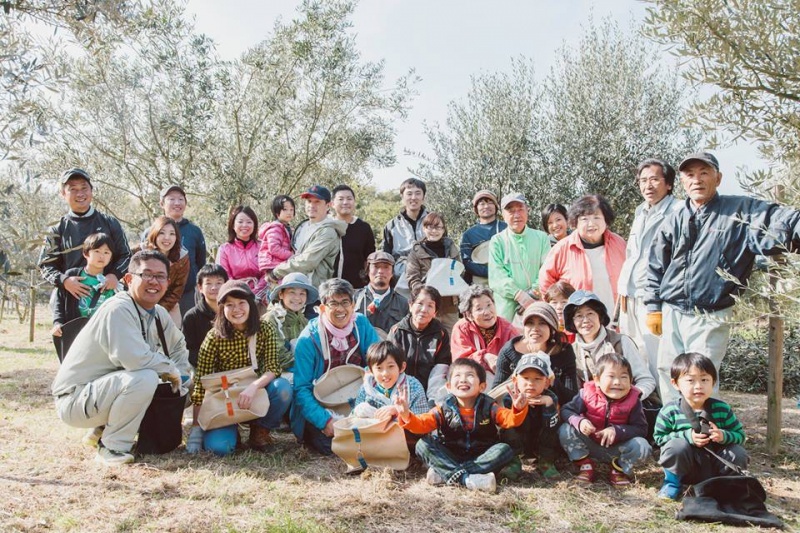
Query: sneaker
(433,477)
(92,437)
(482,482)
(110,457)
(585,470)
(513,469)
(549,471)
(618,478)
(259,439)
(671,489)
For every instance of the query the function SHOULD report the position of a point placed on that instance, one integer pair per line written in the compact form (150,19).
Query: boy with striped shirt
(694,428)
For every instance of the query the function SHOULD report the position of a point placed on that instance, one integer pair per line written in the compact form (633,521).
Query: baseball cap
(480,195)
(703,157)
(536,361)
(234,286)
(74,172)
(380,257)
(319,192)
(512,197)
(166,190)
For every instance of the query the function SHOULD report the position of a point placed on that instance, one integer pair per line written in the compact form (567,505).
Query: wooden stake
(775,366)
(32,302)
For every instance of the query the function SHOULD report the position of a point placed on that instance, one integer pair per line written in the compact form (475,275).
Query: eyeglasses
(147,276)
(647,181)
(344,304)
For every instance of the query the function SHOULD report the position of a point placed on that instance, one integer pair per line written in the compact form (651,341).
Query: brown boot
(260,439)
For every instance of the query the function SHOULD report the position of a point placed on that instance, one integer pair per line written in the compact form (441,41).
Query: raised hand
(401,404)
(518,399)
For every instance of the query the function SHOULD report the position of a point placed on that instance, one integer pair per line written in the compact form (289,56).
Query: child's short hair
(474,365)
(609,360)
(277,204)
(559,288)
(95,241)
(381,351)
(685,361)
(211,270)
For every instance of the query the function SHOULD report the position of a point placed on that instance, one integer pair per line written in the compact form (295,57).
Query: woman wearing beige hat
(540,334)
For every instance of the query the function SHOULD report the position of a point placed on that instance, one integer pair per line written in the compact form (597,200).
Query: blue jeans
(578,446)
(453,470)
(222,441)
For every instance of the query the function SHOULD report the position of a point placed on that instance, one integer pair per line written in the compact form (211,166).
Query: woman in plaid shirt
(226,348)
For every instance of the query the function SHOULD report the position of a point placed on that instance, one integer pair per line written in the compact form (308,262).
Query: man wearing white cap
(475,241)
(515,256)
(688,299)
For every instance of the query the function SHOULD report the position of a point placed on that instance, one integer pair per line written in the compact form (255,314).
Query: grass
(48,481)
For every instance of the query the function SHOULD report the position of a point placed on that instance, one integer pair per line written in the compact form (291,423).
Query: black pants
(533,438)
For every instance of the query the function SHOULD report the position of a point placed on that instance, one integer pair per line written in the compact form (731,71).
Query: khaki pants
(117,401)
(706,333)
(633,323)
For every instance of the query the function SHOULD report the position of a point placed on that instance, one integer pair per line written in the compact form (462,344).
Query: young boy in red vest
(467,450)
(606,422)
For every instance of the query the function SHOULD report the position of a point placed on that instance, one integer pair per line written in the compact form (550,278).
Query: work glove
(174,379)
(194,443)
(654,321)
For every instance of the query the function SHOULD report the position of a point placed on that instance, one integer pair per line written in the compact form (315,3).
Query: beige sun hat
(336,387)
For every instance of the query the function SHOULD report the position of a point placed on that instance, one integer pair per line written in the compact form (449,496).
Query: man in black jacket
(64,241)
(687,297)
(378,301)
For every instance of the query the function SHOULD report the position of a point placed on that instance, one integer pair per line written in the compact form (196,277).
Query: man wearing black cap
(62,249)
(317,241)
(173,202)
(377,301)
(709,234)
(475,241)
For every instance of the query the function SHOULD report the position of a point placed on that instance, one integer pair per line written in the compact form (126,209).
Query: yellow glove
(654,322)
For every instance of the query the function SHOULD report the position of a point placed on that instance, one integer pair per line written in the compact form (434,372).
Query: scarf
(338,335)
(377,394)
(588,352)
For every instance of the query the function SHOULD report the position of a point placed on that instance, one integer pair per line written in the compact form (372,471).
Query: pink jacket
(275,247)
(567,261)
(467,341)
(240,261)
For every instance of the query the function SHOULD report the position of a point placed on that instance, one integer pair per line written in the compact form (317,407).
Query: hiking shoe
(259,439)
(110,457)
(433,477)
(671,489)
(513,469)
(586,472)
(92,437)
(481,482)
(549,471)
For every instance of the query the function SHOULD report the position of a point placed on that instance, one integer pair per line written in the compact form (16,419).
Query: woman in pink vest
(591,257)
(239,256)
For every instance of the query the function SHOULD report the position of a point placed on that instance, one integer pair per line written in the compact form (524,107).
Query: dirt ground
(49,482)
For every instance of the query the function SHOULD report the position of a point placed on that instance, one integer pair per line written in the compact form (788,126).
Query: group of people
(503,347)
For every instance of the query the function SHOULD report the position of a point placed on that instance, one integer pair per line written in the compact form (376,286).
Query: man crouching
(109,375)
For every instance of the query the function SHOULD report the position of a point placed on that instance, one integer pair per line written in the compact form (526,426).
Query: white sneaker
(92,437)
(482,482)
(111,457)
(433,477)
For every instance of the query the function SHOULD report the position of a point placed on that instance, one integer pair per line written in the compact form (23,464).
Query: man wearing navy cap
(688,300)
(317,241)
(62,249)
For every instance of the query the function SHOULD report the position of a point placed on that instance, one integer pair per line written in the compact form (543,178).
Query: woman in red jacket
(591,257)
(481,333)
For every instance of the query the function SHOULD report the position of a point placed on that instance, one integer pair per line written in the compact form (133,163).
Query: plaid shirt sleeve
(267,349)
(206,362)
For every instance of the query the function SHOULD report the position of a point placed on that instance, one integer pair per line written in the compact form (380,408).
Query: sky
(446,41)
